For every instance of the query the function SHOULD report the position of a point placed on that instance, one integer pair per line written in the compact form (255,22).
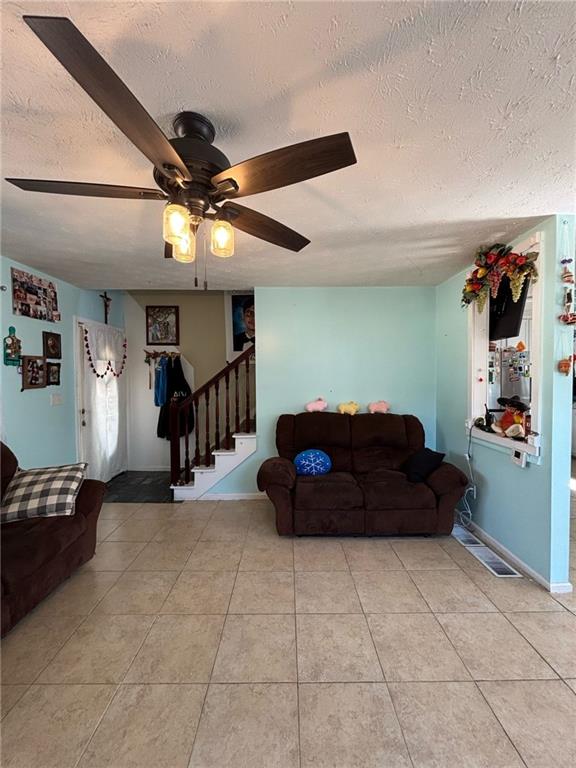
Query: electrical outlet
(55,399)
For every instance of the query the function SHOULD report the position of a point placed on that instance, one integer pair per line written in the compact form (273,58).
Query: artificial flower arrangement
(493,264)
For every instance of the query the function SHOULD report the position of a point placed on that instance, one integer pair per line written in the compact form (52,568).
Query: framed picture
(240,324)
(53,374)
(162,326)
(34,296)
(33,372)
(52,345)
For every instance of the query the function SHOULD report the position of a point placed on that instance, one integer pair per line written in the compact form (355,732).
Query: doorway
(101,399)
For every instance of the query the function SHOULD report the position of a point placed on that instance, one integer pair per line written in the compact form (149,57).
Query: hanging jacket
(176,388)
(160,381)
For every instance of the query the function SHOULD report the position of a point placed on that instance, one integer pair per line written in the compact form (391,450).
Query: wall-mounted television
(506,315)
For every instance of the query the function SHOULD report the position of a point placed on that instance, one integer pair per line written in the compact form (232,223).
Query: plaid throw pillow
(43,492)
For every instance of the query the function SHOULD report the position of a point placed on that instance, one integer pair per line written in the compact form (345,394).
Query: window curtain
(103,400)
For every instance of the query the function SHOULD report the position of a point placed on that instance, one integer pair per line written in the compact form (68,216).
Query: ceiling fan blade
(87,190)
(102,84)
(258,225)
(288,165)
(168,250)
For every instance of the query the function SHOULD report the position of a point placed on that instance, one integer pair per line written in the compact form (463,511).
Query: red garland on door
(109,366)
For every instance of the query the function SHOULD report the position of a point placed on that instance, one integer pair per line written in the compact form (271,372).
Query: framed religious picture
(162,326)
(33,372)
(34,296)
(53,374)
(52,345)
(240,324)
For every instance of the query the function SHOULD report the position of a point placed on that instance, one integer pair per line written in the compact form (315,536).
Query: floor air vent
(484,554)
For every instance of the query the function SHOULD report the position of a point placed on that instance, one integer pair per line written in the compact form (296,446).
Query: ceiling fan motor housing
(195,134)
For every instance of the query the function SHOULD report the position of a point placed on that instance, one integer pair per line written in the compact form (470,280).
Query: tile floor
(197,638)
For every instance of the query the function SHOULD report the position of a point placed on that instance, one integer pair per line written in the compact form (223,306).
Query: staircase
(224,432)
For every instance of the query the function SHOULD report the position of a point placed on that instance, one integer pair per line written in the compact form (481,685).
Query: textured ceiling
(462,116)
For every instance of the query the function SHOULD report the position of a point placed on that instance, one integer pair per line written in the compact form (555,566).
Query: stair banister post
(247,395)
(227,435)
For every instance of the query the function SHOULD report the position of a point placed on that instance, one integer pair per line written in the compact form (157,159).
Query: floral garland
(109,366)
(493,264)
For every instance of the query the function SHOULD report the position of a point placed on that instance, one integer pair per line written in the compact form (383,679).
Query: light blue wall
(359,344)
(38,433)
(526,510)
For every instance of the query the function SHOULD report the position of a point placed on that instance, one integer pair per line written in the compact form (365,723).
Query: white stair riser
(224,463)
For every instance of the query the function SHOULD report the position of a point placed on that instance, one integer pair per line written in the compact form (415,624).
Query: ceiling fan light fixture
(185,249)
(176,224)
(222,239)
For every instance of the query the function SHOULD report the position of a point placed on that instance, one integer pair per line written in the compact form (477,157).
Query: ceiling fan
(194,178)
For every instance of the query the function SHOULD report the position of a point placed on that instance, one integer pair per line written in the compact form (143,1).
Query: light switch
(55,399)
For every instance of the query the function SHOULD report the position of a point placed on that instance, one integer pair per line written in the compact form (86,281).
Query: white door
(101,400)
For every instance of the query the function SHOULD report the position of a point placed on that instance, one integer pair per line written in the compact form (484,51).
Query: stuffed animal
(511,423)
(317,405)
(350,407)
(380,406)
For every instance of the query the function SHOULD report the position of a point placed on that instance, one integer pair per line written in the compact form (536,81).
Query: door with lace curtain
(101,400)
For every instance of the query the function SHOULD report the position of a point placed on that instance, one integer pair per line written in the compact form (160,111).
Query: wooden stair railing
(230,377)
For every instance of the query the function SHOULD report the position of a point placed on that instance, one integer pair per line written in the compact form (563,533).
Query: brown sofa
(39,554)
(366,492)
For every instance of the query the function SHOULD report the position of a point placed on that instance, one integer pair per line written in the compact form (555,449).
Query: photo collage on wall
(34,296)
(37,298)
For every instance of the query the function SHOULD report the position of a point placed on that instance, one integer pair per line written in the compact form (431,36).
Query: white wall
(146,452)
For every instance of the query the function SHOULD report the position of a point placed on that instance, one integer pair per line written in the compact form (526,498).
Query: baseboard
(557,587)
(232,496)
(149,469)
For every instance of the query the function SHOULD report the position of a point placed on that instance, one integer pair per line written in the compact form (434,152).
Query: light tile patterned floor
(197,638)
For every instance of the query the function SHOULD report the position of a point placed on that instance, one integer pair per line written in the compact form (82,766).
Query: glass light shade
(176,223)
(222,239)
(185,249)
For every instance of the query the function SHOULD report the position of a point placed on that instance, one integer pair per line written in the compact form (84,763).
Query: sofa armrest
(447,479)
(276,471)
(90,498)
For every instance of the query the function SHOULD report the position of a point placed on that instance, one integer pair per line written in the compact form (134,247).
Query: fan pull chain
(195,273)
(205,265)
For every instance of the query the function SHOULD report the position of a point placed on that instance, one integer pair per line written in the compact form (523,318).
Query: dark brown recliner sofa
(40,553)
(366,492)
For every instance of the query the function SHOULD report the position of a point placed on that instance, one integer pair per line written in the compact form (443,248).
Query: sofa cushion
(380,441)
(378,429)
(328,432)
(421,464)
(396,492)
(337,490)
(42,492)
(30,544)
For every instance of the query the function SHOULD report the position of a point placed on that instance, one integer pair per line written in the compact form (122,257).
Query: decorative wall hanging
(104,354)
(33,372)
(52,345)
(33,296)
(492,265)
(53,374)
(162,326)
(565,340)
(240,319)
(12,348)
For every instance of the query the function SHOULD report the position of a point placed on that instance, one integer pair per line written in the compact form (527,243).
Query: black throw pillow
(421,464)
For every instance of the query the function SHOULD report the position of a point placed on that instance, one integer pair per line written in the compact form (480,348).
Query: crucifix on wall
(107,300)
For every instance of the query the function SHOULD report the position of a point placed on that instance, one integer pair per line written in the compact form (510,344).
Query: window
(507,366)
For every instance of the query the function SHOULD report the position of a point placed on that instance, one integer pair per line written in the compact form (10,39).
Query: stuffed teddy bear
(350,407)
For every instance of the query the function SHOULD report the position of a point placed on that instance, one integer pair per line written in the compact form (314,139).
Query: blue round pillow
(312,462)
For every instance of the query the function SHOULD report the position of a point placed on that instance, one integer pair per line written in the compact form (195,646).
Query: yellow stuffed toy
(350,407)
